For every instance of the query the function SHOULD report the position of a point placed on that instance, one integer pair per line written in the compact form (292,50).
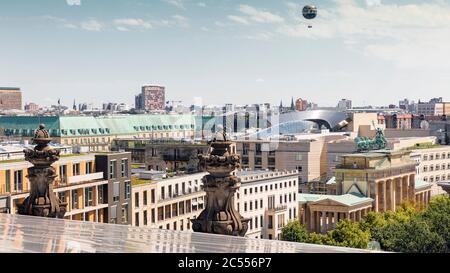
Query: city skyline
(226,51)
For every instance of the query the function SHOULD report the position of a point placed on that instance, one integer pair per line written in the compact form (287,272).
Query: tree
(295,232)
(319,239)
(349,234)
(437,215)
(413,236)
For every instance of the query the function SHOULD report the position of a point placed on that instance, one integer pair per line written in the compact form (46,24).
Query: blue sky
(226,51)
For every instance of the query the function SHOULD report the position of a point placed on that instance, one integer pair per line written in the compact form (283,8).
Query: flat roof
(9,89)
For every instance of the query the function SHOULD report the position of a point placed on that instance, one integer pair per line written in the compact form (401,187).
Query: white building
(267,198)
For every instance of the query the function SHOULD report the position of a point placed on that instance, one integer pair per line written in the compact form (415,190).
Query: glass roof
(29,234)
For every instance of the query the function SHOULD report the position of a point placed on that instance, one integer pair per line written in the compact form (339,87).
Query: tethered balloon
(309,12)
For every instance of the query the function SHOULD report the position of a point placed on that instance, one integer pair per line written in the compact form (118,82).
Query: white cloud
(125,24)
(73,2)
(176,3)
(260,80)
(92,25)
(201,4)
(238,19)
(260,16)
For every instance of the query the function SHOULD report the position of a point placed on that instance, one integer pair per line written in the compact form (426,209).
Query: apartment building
(167,203)
(433,165)
(85,182)
(267,198)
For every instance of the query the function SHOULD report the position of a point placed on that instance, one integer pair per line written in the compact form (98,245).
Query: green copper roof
(89,125)
(420,184)
(350,199)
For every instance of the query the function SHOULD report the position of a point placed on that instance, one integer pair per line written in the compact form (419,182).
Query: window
(425,157)
(124,213)
(153,216)
(88,197)
(136,200)
(245,148)
(270,223)
(167,212)
(116,191)
(299,169)
(124,165)
(144,198)
(280,220)
(8,180)
(112,169)
(251,205)
(160,213)
(163,193)
(113,214)
(89,167)
(136,217)
(18,180)
(76,169)
(170,191)
(63,173)
(181,208)
(62,196)
(258,149)
(188,206)
(256,204)
(145,217)
(298,157)
(100,195)
(183,188)
(425,169)
(245,206)
(127,189)
(152,196)
(261,221)
(174,209)
(75,199)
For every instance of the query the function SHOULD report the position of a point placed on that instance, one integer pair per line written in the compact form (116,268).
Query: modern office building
(305,153)
(267,198)
(10,98)
(97,133)
(152,98)
(96,187)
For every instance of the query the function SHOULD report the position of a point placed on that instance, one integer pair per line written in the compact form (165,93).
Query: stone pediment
(329,202)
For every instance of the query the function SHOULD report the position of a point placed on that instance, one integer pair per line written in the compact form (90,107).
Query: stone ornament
(219,215)
(42,201)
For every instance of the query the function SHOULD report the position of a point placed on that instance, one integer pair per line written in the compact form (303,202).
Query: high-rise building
(344,104)
(151,98)
(10,98)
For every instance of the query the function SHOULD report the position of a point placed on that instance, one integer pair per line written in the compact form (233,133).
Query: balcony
(84,178)
(279,208)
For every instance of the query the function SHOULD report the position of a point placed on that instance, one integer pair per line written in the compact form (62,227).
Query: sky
(225,51)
